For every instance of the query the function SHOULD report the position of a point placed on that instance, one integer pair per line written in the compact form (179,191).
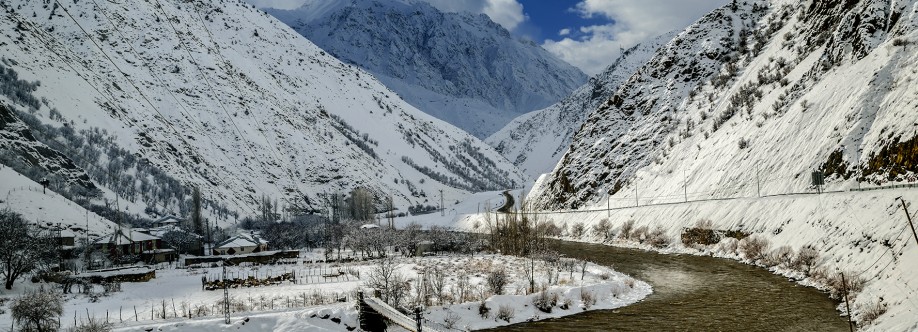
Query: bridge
(375,313)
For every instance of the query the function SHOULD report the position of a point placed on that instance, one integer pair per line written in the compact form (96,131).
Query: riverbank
(863,234)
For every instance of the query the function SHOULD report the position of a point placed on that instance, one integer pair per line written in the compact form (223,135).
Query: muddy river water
(694,293)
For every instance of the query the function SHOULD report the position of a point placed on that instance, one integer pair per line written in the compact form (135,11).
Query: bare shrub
(870,312)
(93,325)
(836,287)
(805,260)
(497,280)
(656,238)
(483,310)
(638,234)
(626,229)
(566,304)
(386,278)
(588,298)
(783,256)
(451,320)
(38,311)
(603,229)
(728,245)
(544,301)
(629,282)
(505,312)
(577,230)
(754,248)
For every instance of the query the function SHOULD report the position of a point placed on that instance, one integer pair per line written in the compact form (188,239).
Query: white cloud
(564,32)
(507,13)
(632,22)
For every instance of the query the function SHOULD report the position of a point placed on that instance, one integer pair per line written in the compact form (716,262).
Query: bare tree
(390,283)
(38,311)
(22,248)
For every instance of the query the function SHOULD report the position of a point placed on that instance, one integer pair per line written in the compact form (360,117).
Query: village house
(241,244)
(168,222)
(128,242)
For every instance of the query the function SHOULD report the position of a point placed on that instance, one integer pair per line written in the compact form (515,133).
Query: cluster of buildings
(148,244)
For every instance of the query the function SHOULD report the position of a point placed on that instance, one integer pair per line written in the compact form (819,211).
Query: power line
(127,78)
(162,83)
(216,97)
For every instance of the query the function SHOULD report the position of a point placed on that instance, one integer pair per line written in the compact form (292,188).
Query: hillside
(226,98)
(753,99)
(459,67)
(536,141)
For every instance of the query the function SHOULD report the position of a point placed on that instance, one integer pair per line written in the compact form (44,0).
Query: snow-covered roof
(368,226)
(122,236)
(241,240)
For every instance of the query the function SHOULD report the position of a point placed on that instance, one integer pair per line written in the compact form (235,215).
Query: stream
(697,293)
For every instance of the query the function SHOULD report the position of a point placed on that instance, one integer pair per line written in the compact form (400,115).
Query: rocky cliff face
(536,141)
(769,88)
(461,68)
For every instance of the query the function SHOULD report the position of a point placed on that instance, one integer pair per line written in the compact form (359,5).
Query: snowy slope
(459,67)
(223,96)
(862,234)
(48,209)
(535,141)
(772,90)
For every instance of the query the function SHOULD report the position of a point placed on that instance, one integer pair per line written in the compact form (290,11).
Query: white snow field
(293,307)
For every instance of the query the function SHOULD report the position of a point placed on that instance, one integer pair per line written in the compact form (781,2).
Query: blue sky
(547,18)
(597,29)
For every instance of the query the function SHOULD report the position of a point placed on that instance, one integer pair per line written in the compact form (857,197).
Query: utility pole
(442,210)
(608,206)
(685,185)
(909,217)
(226,305)
(758,183)
(847,304)
(636,201)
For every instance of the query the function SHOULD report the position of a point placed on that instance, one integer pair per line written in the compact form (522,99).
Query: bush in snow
(656,238)
(451,320)
(483,310)
(603,229)
(627,227)
(577,230)
(870,312)
(390,283)
(783,257)
(545,300)
(93,325)
(805,260)
(754,248)
(728,246)
(38,311)
(505,312)
(588,298)
(497,280)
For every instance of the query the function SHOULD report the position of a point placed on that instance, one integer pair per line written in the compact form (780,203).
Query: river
(696,293)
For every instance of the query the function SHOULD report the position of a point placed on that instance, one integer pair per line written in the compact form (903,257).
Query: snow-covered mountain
(755,96)
(459,67)
(224,97)
(536,141)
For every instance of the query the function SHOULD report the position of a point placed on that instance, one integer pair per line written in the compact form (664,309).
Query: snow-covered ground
(46,208)
(311,303)
(863,234)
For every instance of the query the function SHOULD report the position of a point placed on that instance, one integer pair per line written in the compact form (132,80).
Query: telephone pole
(226,304)
(758,183)
(909,217)
(442,208)
(685,185)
